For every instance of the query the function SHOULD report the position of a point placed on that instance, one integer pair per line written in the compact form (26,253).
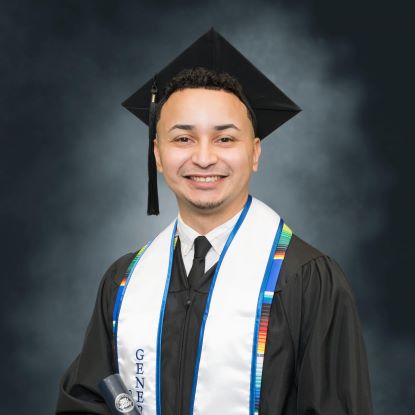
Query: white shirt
(217,238)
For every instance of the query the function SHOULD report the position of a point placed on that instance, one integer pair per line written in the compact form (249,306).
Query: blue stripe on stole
(160,327)
(273,277)
(212,286)
(269,278)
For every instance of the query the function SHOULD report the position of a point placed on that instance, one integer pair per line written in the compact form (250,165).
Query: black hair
(200,77)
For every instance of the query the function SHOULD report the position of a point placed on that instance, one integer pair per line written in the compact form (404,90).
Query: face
(206,150)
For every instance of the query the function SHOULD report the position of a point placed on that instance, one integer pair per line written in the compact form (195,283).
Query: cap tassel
(153,199)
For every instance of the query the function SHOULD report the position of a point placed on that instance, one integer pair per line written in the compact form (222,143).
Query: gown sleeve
(78,389)
(332,376)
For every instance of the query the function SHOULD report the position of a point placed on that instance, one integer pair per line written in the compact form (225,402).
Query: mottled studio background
(73,163)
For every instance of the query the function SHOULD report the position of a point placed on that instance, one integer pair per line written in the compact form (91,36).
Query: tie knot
(202,246)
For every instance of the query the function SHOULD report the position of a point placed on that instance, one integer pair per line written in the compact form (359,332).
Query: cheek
(240,161)
(172,160)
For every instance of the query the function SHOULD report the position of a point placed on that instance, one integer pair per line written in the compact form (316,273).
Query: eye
(225,139)
(182,139)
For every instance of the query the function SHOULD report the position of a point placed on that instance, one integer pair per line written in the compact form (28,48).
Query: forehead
(201,104)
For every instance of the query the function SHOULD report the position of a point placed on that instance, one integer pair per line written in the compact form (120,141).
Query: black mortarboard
(270,105)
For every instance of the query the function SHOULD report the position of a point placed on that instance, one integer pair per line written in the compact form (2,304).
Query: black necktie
(202,246)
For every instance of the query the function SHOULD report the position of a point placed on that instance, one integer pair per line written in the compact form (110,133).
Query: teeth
(205,179)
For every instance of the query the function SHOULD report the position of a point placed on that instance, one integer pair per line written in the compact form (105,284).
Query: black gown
(315,360)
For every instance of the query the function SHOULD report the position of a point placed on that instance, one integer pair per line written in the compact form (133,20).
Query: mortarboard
(271,107)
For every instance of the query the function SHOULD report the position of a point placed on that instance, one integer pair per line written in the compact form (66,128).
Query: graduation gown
(315,359)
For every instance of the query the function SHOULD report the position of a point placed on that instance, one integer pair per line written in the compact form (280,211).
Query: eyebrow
(189,127)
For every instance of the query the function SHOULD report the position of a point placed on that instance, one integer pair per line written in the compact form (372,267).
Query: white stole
(226,341)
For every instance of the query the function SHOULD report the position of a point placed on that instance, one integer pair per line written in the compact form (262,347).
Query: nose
(204,154)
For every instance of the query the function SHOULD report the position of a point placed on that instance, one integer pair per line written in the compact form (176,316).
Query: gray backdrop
(73,163)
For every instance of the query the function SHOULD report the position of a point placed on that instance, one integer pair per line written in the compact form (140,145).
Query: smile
(205,179)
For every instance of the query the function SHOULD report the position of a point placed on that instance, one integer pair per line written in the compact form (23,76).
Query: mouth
(205,179)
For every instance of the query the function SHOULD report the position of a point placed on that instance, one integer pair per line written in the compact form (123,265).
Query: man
(226,311)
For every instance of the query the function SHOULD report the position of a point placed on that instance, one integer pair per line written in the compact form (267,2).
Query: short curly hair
(200,77)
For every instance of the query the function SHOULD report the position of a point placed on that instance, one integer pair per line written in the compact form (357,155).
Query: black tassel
(153,199)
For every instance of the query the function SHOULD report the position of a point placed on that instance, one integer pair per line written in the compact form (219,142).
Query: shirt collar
(217,236)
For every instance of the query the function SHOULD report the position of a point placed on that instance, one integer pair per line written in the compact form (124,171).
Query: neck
(203,221)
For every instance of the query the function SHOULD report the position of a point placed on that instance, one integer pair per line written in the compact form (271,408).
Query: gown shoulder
(299,255)
(313,266)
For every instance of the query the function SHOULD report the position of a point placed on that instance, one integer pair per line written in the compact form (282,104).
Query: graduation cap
(270,106)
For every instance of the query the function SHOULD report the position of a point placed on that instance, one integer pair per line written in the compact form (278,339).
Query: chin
(205,204)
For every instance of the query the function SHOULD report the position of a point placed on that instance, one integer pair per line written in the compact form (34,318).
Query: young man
(226,311)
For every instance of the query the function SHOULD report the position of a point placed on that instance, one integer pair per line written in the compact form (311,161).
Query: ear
(257,154)
(157,156)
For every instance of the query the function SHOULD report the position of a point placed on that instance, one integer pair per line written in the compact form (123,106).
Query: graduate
(226,310)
